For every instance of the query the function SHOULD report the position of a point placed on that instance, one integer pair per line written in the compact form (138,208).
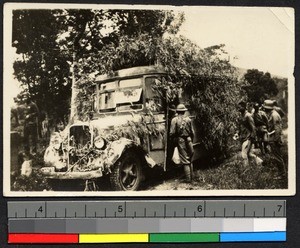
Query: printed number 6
(200,208)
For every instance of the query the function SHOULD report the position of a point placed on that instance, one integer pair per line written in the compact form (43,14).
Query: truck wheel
(127,174)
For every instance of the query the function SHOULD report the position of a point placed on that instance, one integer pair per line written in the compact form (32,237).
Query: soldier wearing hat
(275,131)
(261,123)
(247,133)
(181,131)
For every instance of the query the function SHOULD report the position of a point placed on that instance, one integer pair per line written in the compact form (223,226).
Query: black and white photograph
(141,100)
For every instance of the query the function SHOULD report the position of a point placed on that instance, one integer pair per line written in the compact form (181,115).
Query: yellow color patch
(114,238)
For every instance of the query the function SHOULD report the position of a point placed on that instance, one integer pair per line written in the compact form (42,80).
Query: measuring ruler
(146,221)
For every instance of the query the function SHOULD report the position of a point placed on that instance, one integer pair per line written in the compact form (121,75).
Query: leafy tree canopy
(102,41)
(209,82)
(50,41)
(259,85)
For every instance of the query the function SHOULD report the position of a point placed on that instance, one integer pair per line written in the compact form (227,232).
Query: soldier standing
(261,123)
(275,131)
(182,133)
(247,133)
(31,127)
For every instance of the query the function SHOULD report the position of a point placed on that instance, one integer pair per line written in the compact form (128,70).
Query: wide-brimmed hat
(268,104)
(181,107)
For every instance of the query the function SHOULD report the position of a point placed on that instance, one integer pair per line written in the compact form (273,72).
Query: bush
(234,175)
(35,182)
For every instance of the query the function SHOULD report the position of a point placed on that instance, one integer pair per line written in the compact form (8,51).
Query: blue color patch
(252,236)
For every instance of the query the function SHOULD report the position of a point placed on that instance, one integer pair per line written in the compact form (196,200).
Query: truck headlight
(99,142)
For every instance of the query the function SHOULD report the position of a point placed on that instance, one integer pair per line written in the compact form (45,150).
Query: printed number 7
(279,207)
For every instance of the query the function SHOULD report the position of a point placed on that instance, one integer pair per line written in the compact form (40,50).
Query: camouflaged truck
(127,133)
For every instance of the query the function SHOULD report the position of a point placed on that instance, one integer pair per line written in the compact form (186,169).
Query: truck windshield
(129,96)
(124,95)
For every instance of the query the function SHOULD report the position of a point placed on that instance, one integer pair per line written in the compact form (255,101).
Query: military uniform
(275,124)
(247,132)
(182,132)
(261,123)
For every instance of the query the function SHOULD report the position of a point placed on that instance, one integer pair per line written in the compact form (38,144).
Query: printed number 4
(40,209)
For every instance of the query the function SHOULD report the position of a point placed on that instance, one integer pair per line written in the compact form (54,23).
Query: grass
(234,175)
(226,176)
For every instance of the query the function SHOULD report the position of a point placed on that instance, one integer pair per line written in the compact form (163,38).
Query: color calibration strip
(146,225)
(147,238)
(154,221)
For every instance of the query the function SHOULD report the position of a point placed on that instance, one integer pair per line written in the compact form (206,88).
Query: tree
(103,41)
(259,85)
(42,67)
(209,82)
(51,42)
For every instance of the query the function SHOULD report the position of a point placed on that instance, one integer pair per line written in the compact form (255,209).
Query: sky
(260,38)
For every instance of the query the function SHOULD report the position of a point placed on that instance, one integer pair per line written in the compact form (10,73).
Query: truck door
(157,140)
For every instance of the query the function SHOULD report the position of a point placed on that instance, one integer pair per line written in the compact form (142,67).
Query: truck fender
(118,147)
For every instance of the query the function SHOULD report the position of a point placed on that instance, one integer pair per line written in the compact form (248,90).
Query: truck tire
(127,174)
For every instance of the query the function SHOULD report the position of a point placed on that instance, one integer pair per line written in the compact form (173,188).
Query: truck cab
(127,133)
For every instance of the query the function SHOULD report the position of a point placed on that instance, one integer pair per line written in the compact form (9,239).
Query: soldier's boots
(188,171)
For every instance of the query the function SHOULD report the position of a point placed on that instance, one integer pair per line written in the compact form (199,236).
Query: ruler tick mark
(25,212)
(75,214)
(224,212)
(145,212)
(244,210)
(16,214)
(105,212)
(154,213)
(184,212)
(274,214)
(214,213)
(134,214)
(165,210)
(125,207)
(45,209)
(85,210)
(264,212)
(65,212)
(95,214)
(174,213)
(35,215)
(254,213)
(55,215)
(233,213)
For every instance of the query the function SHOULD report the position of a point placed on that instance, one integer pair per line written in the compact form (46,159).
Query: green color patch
(184,237)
